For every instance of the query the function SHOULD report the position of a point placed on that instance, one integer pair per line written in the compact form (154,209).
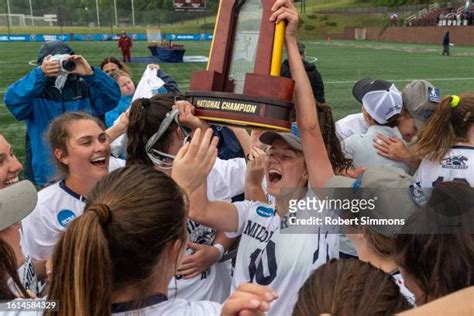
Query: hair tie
(102,211)
(467,117)
(145,102)
(455,101)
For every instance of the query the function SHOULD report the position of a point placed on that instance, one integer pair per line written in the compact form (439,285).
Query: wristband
(221,250)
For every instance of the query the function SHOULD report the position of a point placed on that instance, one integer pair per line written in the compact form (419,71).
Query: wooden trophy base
(241,110)
(265,102)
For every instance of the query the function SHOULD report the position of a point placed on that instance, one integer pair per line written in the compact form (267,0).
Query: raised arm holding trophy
(241,85)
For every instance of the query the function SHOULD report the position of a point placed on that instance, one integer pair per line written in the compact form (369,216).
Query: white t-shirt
(269,256)
(350,125)
(57,206)
(226,179)
(170,307)
(457,164)
(360,148)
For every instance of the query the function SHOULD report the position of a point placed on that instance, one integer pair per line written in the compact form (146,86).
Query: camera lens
(69,65)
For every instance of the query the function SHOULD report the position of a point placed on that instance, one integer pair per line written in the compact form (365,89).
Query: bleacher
(437,16)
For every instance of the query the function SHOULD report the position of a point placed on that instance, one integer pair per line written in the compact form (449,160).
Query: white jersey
(350,125)
(169,307)
(269,256)
(115,163)
(226,179)
(57,206)
(27,276)
(456,165)
(403,289)
(360,148)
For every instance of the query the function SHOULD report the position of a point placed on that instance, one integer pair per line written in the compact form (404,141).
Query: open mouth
(10,181)
(99,161)
(274,176)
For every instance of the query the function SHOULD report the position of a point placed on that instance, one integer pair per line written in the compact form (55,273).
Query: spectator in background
(446,42)
(313,74)
(49,91)
(127,89)
(110,64)
(125,45)
(394,20)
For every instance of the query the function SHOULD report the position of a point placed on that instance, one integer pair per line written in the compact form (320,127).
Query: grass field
(340,62)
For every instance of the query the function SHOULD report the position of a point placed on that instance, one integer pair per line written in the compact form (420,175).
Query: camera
(67,65)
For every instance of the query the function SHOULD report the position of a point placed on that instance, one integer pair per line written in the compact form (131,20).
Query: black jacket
(314,77)
(446,39)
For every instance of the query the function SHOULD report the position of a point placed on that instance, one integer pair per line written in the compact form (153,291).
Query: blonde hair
(119,73)
(449,124)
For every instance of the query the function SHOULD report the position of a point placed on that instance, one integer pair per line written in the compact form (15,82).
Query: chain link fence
(85,14)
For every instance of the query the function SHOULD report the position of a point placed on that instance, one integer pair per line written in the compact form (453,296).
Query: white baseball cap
(16,202)
(380,98)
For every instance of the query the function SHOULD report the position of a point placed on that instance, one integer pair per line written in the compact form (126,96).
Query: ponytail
(82,266)
(449,124)
(146,116)
(136,153)
(121,241)
(328,129)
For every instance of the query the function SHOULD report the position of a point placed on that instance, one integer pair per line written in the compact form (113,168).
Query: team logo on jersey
(65,217)
(456,162)
(265,211)
(200,234)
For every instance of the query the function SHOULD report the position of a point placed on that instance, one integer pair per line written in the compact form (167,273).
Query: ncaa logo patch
(65,217)
(265,211)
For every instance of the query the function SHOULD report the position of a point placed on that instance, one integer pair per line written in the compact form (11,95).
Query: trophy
(242,84)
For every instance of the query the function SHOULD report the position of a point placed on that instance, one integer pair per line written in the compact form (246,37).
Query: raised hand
(194,161)
(50,68)
(82,66)
(256,166)
(186,115)
(284,10)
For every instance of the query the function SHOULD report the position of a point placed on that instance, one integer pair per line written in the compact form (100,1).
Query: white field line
(404,80)
(354,81)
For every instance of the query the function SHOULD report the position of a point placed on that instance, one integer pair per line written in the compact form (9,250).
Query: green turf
(340,62)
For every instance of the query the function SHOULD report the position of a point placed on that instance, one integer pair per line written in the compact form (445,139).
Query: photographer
(63,82)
